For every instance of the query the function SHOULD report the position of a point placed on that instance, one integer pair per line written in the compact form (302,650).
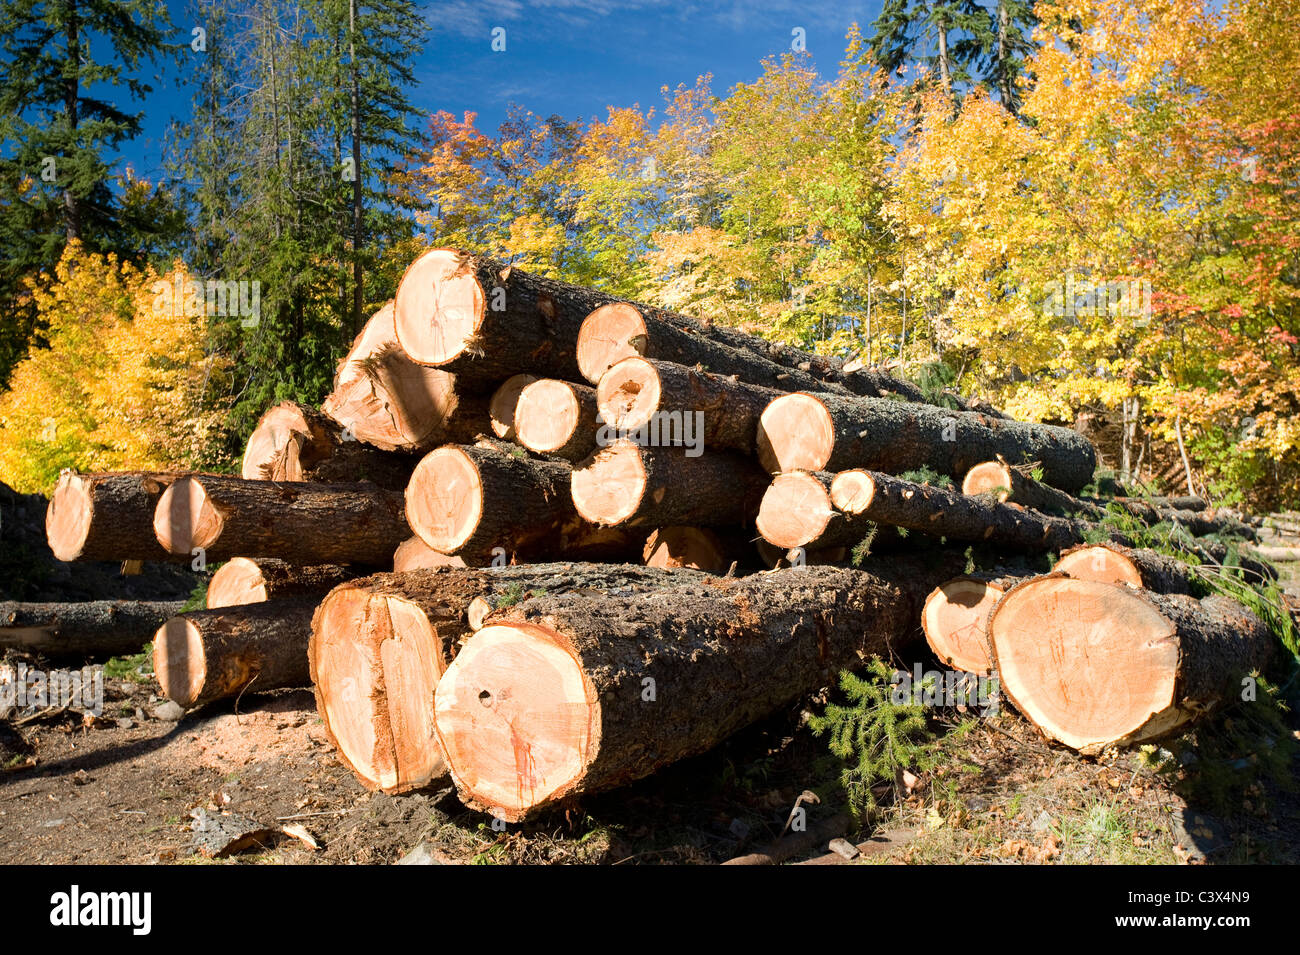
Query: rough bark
(389,401)
(629,485)
(561,695)
(295,443)
(833,433)
(208,655)
(480,502)
(379,644)
(1115,564)
(1095,665)
(720,412)
(242,580)
(92,628)
(302,523)
(557,418)
(106,516)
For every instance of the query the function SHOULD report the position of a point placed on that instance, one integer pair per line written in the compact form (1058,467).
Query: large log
(815,509)
(629,485)
(242,580)
(558,418)
(1095,665)
(637,394)
(486,321)
(295,443)
(480,502)
(820,432)
(560,695)
(106,516)
(1112,563)
(208,655)
(379,644)
(303,523)
(92,628)
(955,617)
(387,400)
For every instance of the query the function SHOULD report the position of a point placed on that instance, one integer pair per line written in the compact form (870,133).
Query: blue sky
(571,57)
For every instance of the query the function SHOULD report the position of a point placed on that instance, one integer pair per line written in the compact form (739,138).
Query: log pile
(543,542)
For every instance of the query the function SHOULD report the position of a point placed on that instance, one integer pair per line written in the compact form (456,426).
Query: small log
(379,645)
(638,393)
(413,554)
(955,617)
(387,400)
(486,321)
(557,417)
(480,502)
(1005,483)
(225,517)
(1095,665)
(832,433)
(1111,563)
(295,443)
(242,580)
(106,516)
(1189,502)
(626,484)
(561,695)
(91,628)
(503,403)
(208,655)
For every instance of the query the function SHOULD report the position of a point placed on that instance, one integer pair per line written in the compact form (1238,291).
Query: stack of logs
(544,542)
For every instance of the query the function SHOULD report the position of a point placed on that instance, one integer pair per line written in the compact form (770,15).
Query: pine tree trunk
(295,443)
(1144,569)
(92,628)
(557,417)
(107,516)
(242,581)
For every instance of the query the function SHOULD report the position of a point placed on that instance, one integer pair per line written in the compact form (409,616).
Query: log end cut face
(1089,663)
(186,518)
(444,499)
(547,414)
(274,449)
(954,621)
(517,718)
(179,661)
(413,553)
(503,404)
(694,547)
(990,477)
(795,510)
(238,581)
(853,491)
(609,486)
(795,432)
(608,335)
(68,516)
(375,661)
(439,307)
(1100,564)
(629,394)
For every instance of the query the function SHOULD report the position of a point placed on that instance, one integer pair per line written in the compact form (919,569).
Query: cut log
(303,523)
(208,655)
(481,503)
(294,443)
(1095,665)
(387,400)
(106,516)
(697,548)
(379,644)
(242,580)
(775,557)
(413,554)
(557,417)
(640,395)
(956,615)
(626,484)
(503,404)
(815,509)
(1145,569)
(833,433)
(1184,503)
(486,321)
(560,695)
(92,628)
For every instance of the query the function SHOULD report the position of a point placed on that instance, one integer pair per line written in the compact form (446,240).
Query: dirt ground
(121,789)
